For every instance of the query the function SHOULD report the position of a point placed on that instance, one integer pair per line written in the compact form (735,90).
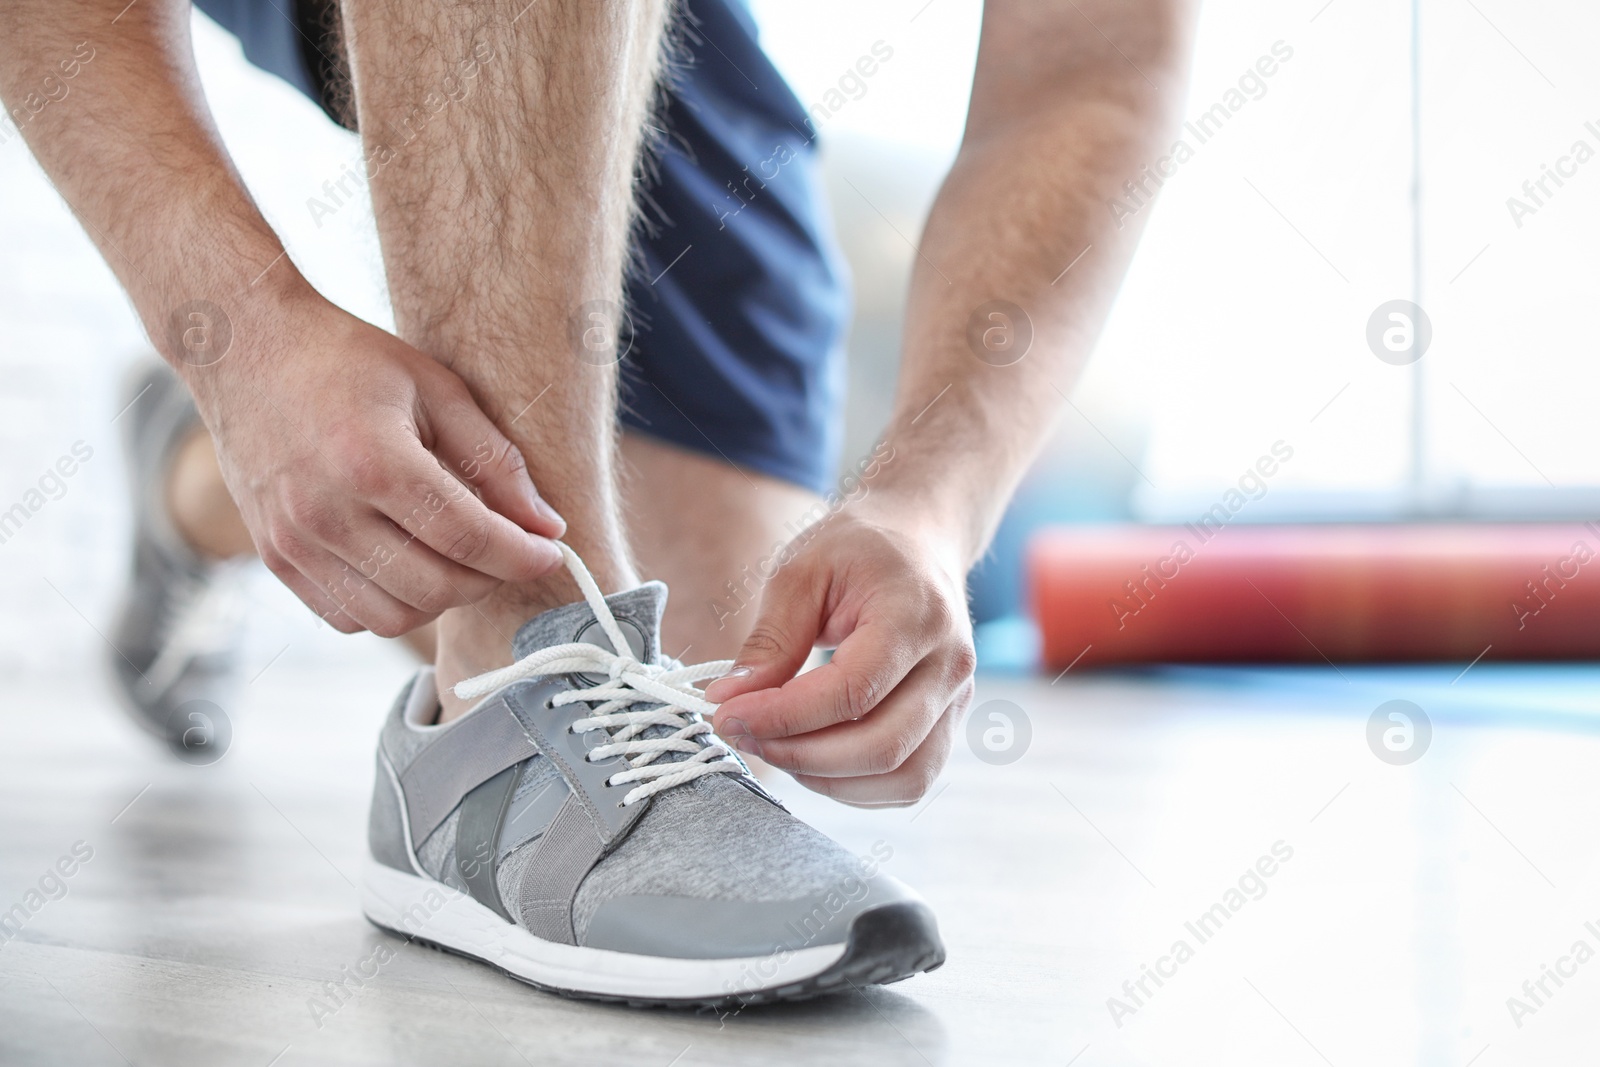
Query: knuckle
(777,723)
(308,513)
(964,661)
(469,539)
(392,623)
(884,756)
(274,561)
(512,461)
(828,787)
(792,759)
(858,693)
(938,613)
(347,444)
(368,471)
(288,546)
(336,619)
(294,499)
(764,642)
(436,599)
(963,699)
(907,745)
(471,587)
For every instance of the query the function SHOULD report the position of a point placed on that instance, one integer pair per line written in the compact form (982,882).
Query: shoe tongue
(638,614)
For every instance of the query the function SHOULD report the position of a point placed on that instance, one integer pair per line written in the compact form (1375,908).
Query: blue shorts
(739,299)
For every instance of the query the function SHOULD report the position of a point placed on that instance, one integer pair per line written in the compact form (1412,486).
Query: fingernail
(542,506)
(719,685)
(737,732)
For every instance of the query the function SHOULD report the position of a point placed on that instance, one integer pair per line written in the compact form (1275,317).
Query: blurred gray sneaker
(178,628)
(582,829)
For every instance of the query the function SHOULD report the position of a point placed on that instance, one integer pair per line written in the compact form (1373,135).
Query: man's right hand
(350,455)
(349,452)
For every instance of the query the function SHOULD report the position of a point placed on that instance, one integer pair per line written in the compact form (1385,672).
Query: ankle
(465,650)
(478,638)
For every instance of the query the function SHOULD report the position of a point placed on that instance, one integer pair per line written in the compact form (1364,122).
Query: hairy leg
(713,564)
(502,141)
(202,512)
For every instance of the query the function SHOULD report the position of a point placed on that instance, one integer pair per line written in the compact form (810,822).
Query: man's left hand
(873,726)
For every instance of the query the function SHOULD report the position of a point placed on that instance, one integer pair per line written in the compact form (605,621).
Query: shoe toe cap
(687,927)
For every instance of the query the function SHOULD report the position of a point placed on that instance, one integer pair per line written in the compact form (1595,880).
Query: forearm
(131,147)
(1023,219)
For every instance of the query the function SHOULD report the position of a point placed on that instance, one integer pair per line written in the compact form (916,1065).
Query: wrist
(926,478)
(944,532)
(212,330)
(210,274)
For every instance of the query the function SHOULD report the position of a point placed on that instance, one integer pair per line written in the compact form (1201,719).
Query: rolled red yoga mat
(1309,594)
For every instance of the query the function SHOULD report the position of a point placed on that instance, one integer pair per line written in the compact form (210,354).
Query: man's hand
(874,725)
(350,455)
(1069,103)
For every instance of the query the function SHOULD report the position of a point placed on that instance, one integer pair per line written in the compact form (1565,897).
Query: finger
(867,666)
(337,589)
(472,447)
(909,782)
(785,631)
(405,568)
(309,592)
(425,501)
(874,745)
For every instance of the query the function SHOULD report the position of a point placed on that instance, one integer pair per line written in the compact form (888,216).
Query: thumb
(785,631)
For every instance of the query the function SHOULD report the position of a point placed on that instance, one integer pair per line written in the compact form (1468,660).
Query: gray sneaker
(582,829)
(177,631)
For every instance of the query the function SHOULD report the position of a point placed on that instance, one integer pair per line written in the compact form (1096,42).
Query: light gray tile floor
(1417,898)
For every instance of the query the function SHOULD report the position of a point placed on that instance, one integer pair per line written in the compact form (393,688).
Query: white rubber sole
(412,906)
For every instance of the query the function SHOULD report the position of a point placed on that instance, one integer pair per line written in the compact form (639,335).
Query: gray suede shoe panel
(386,833)
(508,876)
(438,853)
(401,742)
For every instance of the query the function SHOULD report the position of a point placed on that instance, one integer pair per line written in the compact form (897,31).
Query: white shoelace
(669,684)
